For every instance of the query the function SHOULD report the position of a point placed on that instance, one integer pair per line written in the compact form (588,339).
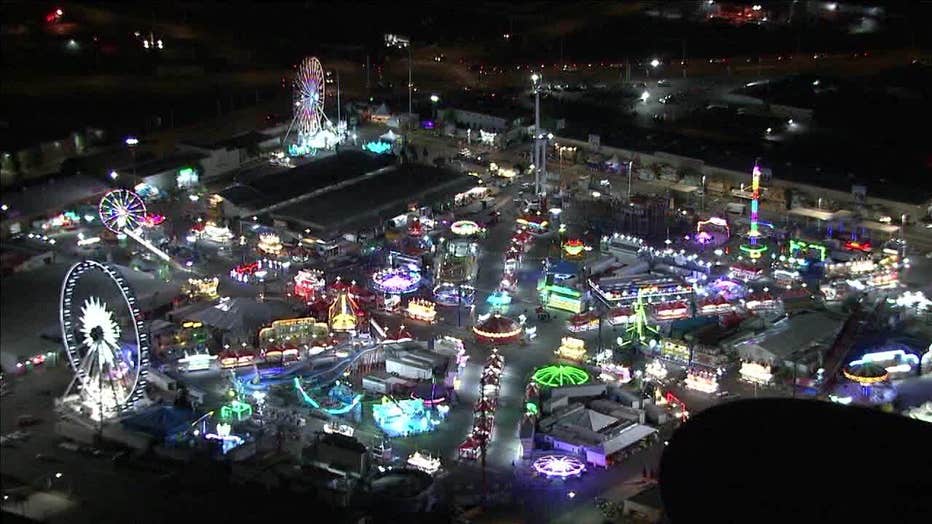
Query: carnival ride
(309,370)
(559,466)
(574,248)
(713,232)
(308,283)
(340,399)
(755,248)
(465,228)
(446,294)
(497,330)
(344,314)
(396,280)
(401,418)
(868,385)
(378,147)
(703,380)
(640,332)
(571,349)
(109,370)
(123,212)
(458,262)
(313,130)
(558,375)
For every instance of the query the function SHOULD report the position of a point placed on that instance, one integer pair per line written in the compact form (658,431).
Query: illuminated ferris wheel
(311,127)
(105,340)
(309,85)
(122,210)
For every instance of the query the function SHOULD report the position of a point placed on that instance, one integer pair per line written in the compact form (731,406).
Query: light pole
(539,156)
(702,195)
(410,79)
(434,99)
(654,64)
(132,142)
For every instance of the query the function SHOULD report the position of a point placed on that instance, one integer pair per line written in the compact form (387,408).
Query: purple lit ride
(559,466)
(396,280)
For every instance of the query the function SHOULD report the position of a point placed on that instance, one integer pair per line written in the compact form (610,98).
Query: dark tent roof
(241,315)
(161,421)
(564,267)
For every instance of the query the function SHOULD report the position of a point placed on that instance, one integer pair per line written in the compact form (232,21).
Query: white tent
(389,137)
(382,110)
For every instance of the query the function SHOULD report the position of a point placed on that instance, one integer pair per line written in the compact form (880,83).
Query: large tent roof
(241,316)
(161,421)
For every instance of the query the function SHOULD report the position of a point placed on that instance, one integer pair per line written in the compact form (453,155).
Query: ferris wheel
(106,342)
(122,210)
(309,86)
(311,126)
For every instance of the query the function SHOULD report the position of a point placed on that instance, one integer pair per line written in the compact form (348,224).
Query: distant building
(37,202)
(341,454)
(593,433)
(227,154)
(789,339)
(412,360)
(383,383)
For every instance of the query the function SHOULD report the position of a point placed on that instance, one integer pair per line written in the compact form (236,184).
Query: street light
(132,142)
(644,96)
(434,99)
(539,157)
(654,63)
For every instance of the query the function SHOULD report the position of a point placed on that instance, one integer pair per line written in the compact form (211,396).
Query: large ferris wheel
(309,95)
(106,342)
(312,129)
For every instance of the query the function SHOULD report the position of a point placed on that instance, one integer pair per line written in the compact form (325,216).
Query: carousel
(497,330)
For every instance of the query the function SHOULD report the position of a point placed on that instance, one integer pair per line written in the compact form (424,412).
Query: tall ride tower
(754,248)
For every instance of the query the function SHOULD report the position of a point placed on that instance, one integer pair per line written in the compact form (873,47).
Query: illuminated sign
(187,177)
(854,245)
(800,246)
